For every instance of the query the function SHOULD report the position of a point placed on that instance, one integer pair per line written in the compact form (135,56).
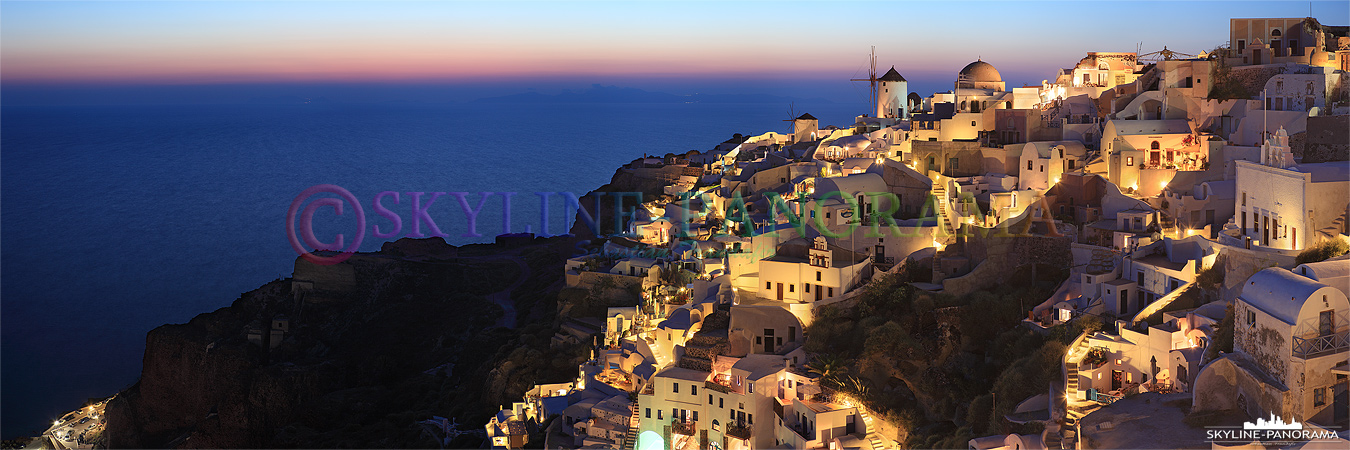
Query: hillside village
(1178,221)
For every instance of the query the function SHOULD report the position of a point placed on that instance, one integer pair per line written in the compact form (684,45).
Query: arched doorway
(650,440)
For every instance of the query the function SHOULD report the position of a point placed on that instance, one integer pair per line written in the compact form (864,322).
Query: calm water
(119,219)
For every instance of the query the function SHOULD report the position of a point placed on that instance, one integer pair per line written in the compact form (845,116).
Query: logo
(307,224)
(390,225)
(1275,423)
(1274,431)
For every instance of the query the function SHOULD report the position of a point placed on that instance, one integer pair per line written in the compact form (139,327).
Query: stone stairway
(1073,358)
(940,205)
(1102,261)
(630,438)
(872,436)
(1335,228)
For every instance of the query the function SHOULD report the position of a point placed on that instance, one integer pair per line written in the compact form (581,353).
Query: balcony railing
(738,431)
(1314,346)
(685,428)
(718,387)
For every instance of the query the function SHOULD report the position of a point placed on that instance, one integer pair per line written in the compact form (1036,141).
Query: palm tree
(830,368)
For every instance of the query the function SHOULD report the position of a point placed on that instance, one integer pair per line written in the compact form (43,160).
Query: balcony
(1312,346)
(717,387)
(684,428)
(738,431)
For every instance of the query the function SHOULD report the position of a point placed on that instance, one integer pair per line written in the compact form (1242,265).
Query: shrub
(1323,251)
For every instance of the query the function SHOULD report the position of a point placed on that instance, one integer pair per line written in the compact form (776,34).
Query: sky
(794,48)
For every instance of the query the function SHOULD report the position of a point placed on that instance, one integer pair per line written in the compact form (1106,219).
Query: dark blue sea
(117,219)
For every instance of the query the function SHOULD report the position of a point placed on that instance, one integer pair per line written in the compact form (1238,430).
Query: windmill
(1164,55)
(871,77)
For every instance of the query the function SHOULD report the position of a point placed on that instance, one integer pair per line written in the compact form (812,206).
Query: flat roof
(681,373)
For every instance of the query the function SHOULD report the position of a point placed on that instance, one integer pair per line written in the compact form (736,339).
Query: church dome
(980,71)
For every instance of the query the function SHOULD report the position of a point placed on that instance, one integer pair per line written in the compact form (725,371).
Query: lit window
(1129,160)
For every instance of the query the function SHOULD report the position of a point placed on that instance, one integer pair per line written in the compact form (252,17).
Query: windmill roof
(892,75)
(806,116)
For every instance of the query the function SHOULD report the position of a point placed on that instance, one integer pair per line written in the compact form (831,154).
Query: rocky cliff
(355,354)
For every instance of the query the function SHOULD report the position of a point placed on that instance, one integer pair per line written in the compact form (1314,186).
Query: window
(831,293)
(710,399)
(721,403)
(693,389)
(1319,396)
(972,123)
(808,288)
(675,387)
(1244,221)
(1275,33)
(768,285)
(658,414)
(1042,168)
(649,413)
(695,415)
(1251,318)
(792,287)
(1241,45)
(1028,164)
(817,275)
(1129,160)
(1154,145)
(1244,198)
(1071,164)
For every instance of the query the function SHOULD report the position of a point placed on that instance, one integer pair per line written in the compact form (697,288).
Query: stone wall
(1000,256)
(1240,264)
(1328,139)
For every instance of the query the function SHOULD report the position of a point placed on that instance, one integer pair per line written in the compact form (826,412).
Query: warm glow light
(937,245)
(1134,187)
(1162,184)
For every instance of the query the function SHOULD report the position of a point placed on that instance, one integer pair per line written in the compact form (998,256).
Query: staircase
(630,439)
(940,205)
(1072,359)
(872,436)
(1335,228)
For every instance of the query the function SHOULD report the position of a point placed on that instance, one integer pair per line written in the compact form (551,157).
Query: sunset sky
(196,43)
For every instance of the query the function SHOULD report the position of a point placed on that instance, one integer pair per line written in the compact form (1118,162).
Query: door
(1256,56)
(1117,379)
(1124,302)
(1326,323)
(780,292)
(851,426)
(881,253)
(818,293)
(1265,230)
(768,340)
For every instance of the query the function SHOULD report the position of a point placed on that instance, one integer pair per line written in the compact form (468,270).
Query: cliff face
(648,181)
(366,349)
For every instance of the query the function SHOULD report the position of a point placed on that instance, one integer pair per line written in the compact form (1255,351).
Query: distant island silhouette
(614,94)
